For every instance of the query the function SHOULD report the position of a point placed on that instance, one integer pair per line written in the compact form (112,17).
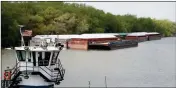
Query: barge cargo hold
(113,45)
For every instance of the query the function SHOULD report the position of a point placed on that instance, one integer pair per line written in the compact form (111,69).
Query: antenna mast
(22,39)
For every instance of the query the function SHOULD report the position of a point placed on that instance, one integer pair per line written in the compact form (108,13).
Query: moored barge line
(85,41)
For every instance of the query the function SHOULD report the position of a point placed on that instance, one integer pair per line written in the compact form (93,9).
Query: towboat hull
(29,86)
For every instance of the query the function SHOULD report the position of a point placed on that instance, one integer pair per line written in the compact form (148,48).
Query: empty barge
(113,45)
(153,36)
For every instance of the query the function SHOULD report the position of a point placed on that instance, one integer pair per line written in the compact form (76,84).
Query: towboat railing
(14,70)
(59,68)
(15,73)
(47,70)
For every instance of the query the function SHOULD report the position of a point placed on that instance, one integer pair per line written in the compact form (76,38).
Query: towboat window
(48,40)
(44,58)
(40,55)
(34,59)
(40,59)
(54,58)
(21,55)
(29,57)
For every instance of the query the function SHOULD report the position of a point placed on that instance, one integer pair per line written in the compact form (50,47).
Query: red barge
(143,36)
(85,42)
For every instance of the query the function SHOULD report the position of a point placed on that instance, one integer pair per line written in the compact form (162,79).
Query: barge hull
(114,45)
(136,38)
(154,37)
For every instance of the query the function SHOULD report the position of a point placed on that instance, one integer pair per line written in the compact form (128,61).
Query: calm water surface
(151,64)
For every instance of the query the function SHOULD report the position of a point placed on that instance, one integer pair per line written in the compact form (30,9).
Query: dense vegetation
(66,18)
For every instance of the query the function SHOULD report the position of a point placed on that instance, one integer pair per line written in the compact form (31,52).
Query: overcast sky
(158,10)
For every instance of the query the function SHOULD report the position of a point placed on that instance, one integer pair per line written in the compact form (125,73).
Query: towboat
(36,66)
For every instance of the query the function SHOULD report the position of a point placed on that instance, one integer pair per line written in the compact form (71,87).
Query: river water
(151,64)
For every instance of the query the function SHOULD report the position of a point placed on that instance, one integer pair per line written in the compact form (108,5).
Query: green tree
(70,18)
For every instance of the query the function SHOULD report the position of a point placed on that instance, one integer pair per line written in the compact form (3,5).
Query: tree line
(66,18)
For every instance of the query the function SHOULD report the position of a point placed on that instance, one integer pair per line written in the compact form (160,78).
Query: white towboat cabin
(36,67)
